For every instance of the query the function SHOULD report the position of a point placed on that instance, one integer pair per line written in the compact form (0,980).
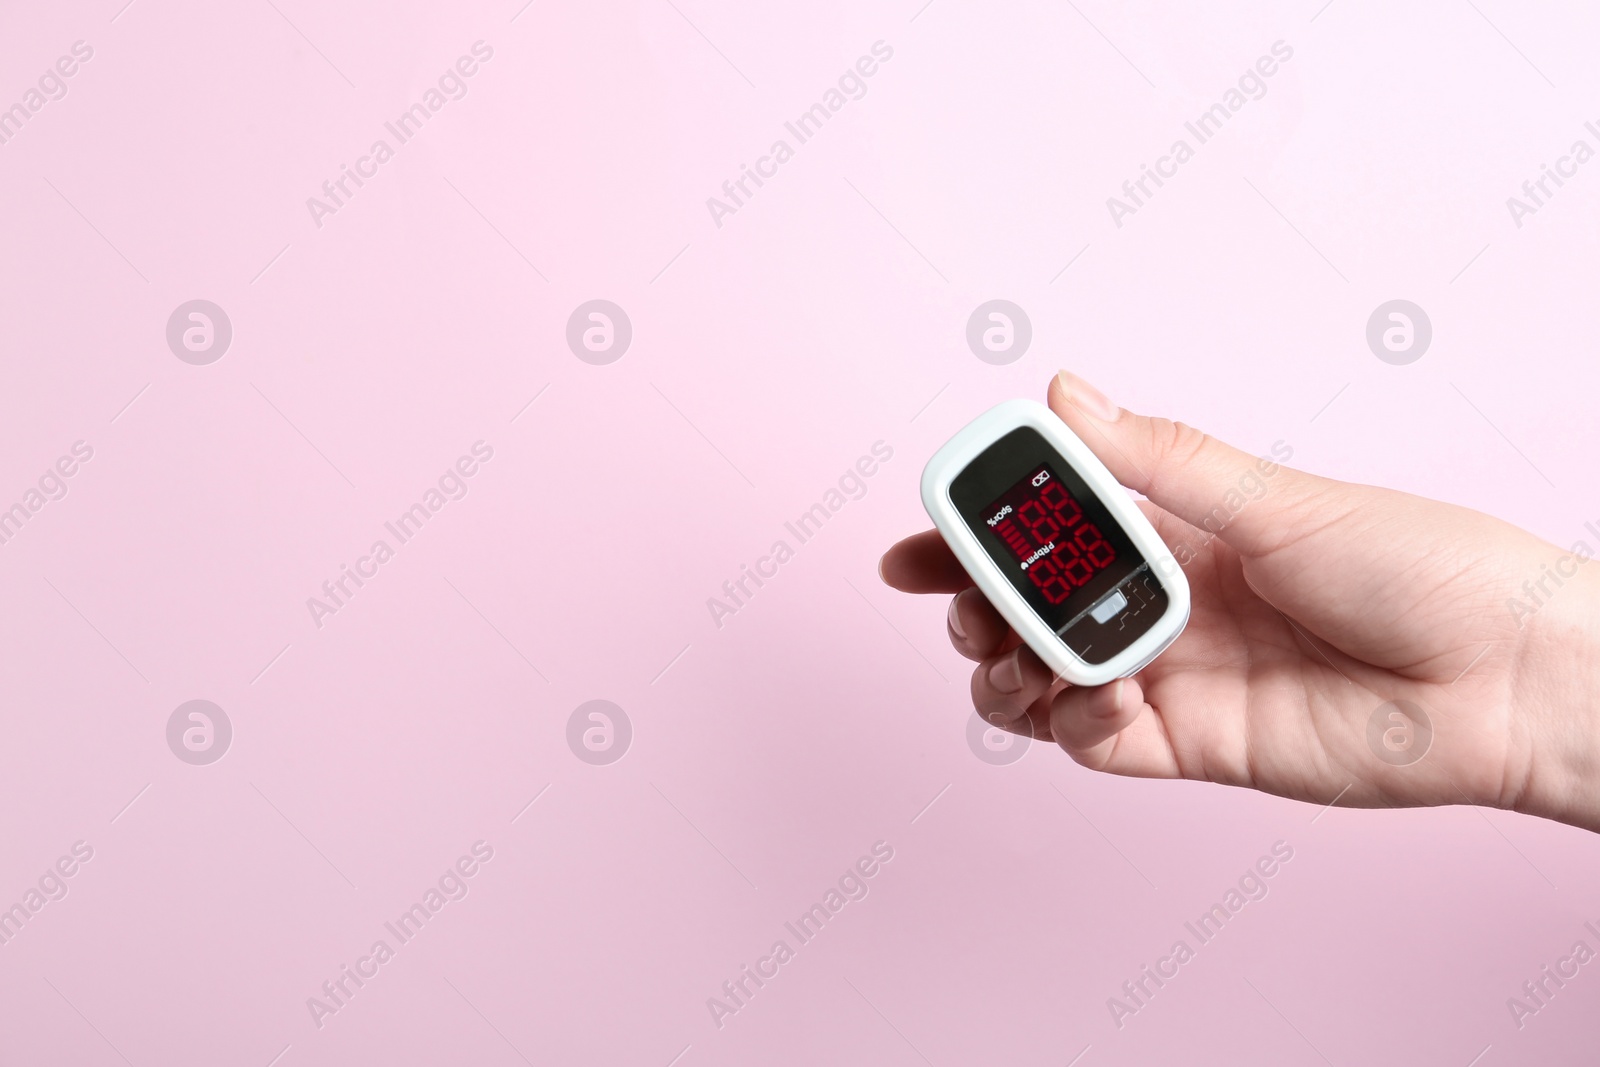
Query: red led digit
(1041,525)
(1078,570)
(1051,583)
(1061,503)
(1095,546)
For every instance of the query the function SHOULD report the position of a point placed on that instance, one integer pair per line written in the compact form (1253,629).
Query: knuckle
(1176,442)
(1173,446)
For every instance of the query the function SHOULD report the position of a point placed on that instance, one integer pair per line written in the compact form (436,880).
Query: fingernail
(954,616)
(1006,673)
(1086,397)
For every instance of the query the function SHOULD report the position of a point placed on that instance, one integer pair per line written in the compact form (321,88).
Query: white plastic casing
(965,447)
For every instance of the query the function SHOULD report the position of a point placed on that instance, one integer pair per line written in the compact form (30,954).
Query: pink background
(768,354)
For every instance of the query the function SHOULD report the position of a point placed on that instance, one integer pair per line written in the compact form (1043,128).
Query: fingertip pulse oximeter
(1056,544)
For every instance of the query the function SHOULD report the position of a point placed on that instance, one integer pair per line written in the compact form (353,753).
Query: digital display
(1044,527)
(1058,545)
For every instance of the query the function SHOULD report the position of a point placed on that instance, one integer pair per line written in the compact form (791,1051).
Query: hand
(1316,603)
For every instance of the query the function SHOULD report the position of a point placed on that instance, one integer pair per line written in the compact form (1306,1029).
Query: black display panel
(1058,545)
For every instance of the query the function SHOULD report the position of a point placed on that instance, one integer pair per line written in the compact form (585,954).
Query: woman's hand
(1324,615)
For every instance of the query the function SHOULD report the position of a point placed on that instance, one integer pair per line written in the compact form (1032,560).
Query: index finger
(923,563)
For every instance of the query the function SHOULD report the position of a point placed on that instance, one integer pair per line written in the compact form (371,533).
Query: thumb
(1249,502)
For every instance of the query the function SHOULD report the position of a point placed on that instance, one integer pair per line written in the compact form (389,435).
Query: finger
(976,629)
(923,563)
(1037,721)
(1254,505)
(1034,725)
(1004,685)
(1111,728)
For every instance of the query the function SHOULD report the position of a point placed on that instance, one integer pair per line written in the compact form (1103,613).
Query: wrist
(1557,703)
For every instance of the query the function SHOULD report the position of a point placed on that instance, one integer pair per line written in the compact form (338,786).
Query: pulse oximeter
(1056,544)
